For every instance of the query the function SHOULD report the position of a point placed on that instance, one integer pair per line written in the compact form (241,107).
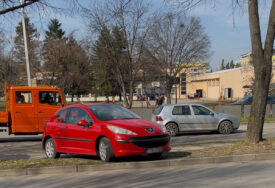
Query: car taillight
(158,118)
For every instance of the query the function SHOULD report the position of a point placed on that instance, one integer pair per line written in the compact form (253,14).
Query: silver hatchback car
(193,117)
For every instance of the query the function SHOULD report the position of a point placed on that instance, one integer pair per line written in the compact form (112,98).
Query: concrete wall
(193,86)
(213,92)
(214,84)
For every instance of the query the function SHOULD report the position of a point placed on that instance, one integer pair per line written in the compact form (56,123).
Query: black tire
(225,127)
(155,156)
(50,149)
(105,150)
(172,129)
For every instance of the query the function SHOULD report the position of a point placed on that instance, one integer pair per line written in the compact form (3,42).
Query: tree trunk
(125,99)
(168,93)
(72,98)
(262,61)
(131,95)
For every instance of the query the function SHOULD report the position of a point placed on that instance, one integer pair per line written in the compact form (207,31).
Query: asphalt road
(25,147)
(252,175)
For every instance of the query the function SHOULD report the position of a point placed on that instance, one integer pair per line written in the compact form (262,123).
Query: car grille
(150,141)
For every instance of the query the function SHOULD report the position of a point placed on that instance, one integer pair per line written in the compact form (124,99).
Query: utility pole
(26,45)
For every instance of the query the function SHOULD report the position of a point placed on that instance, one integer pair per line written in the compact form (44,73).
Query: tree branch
(18,6)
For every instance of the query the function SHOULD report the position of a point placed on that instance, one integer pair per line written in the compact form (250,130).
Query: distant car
(247,100)
(193,117)
(104,130)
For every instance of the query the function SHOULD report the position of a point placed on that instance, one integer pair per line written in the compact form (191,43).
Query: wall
(214,84)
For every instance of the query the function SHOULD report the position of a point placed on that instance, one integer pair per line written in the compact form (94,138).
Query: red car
(104,130)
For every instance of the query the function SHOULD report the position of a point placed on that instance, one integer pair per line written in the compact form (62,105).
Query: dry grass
(238,148)
(37,163)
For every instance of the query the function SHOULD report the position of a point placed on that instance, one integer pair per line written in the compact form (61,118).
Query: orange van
(28,108)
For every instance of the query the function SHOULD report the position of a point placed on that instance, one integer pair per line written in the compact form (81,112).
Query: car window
(77,114)
(199,110)
(112,112)
(49,97)
(177,110)
(158,110)
(181,110)
(23,97)
(61,115)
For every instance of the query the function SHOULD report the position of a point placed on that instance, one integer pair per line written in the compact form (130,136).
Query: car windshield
(112,112)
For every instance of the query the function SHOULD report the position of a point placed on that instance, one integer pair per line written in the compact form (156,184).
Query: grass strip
(237,148)
(37,163)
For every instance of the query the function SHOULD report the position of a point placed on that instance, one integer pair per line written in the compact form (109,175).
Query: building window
(183,83)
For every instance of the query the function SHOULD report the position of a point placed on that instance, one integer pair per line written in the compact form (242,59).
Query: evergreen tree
(105,51)
(222,65)
(75,77)
(33,44)
(53,47)
(227,66)
(54,30)
(232,65)
(238,65)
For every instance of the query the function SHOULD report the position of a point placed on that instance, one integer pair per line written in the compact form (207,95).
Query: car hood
(138,126)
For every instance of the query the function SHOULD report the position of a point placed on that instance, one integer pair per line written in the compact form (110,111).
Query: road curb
(137,165)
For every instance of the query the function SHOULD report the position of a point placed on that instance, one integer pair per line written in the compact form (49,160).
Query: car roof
(183,104)
(86,105)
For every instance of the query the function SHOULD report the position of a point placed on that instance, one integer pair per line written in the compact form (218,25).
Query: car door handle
(40,112)
(17,112)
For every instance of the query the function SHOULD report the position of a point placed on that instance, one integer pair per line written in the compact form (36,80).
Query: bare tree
(19,52)
(262,62)
(8,6)
(12,5)
(173,42)
(130,17)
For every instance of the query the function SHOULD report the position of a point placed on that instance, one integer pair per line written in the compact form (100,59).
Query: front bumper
(140,145)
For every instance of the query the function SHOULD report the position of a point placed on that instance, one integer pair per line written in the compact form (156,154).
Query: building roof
(213,75)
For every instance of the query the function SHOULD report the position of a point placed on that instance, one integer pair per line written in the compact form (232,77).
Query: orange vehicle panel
(28,111)
(4,117)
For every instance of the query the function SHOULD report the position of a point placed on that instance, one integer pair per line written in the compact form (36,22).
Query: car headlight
(163,128)
(119,130)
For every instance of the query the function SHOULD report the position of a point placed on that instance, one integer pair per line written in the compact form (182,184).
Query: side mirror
(82,122)
(212,114)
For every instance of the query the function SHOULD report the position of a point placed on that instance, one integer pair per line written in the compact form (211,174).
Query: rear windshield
(112,112)
(158,110)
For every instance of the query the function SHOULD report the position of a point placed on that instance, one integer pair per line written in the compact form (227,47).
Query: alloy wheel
(103,150)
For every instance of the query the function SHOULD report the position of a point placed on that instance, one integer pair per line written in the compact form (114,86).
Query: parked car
(193,117)
(104,130)
(247,100)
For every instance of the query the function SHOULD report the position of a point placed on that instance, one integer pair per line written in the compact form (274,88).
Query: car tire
(50,149)
(155,156)
(225,127)
(172,129)
(105,150)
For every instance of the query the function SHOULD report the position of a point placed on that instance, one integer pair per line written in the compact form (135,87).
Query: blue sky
(228,32)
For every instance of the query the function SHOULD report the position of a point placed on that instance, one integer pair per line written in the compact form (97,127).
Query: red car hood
(138,126)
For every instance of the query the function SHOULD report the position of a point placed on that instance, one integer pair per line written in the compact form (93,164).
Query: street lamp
(26,45)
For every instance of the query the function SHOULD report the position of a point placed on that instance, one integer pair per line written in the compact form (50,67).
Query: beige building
(222,84)
(231,83)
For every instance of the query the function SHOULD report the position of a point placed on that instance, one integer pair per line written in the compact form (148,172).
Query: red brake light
(159,118)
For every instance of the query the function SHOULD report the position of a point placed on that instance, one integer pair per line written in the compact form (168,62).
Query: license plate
(154,150)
